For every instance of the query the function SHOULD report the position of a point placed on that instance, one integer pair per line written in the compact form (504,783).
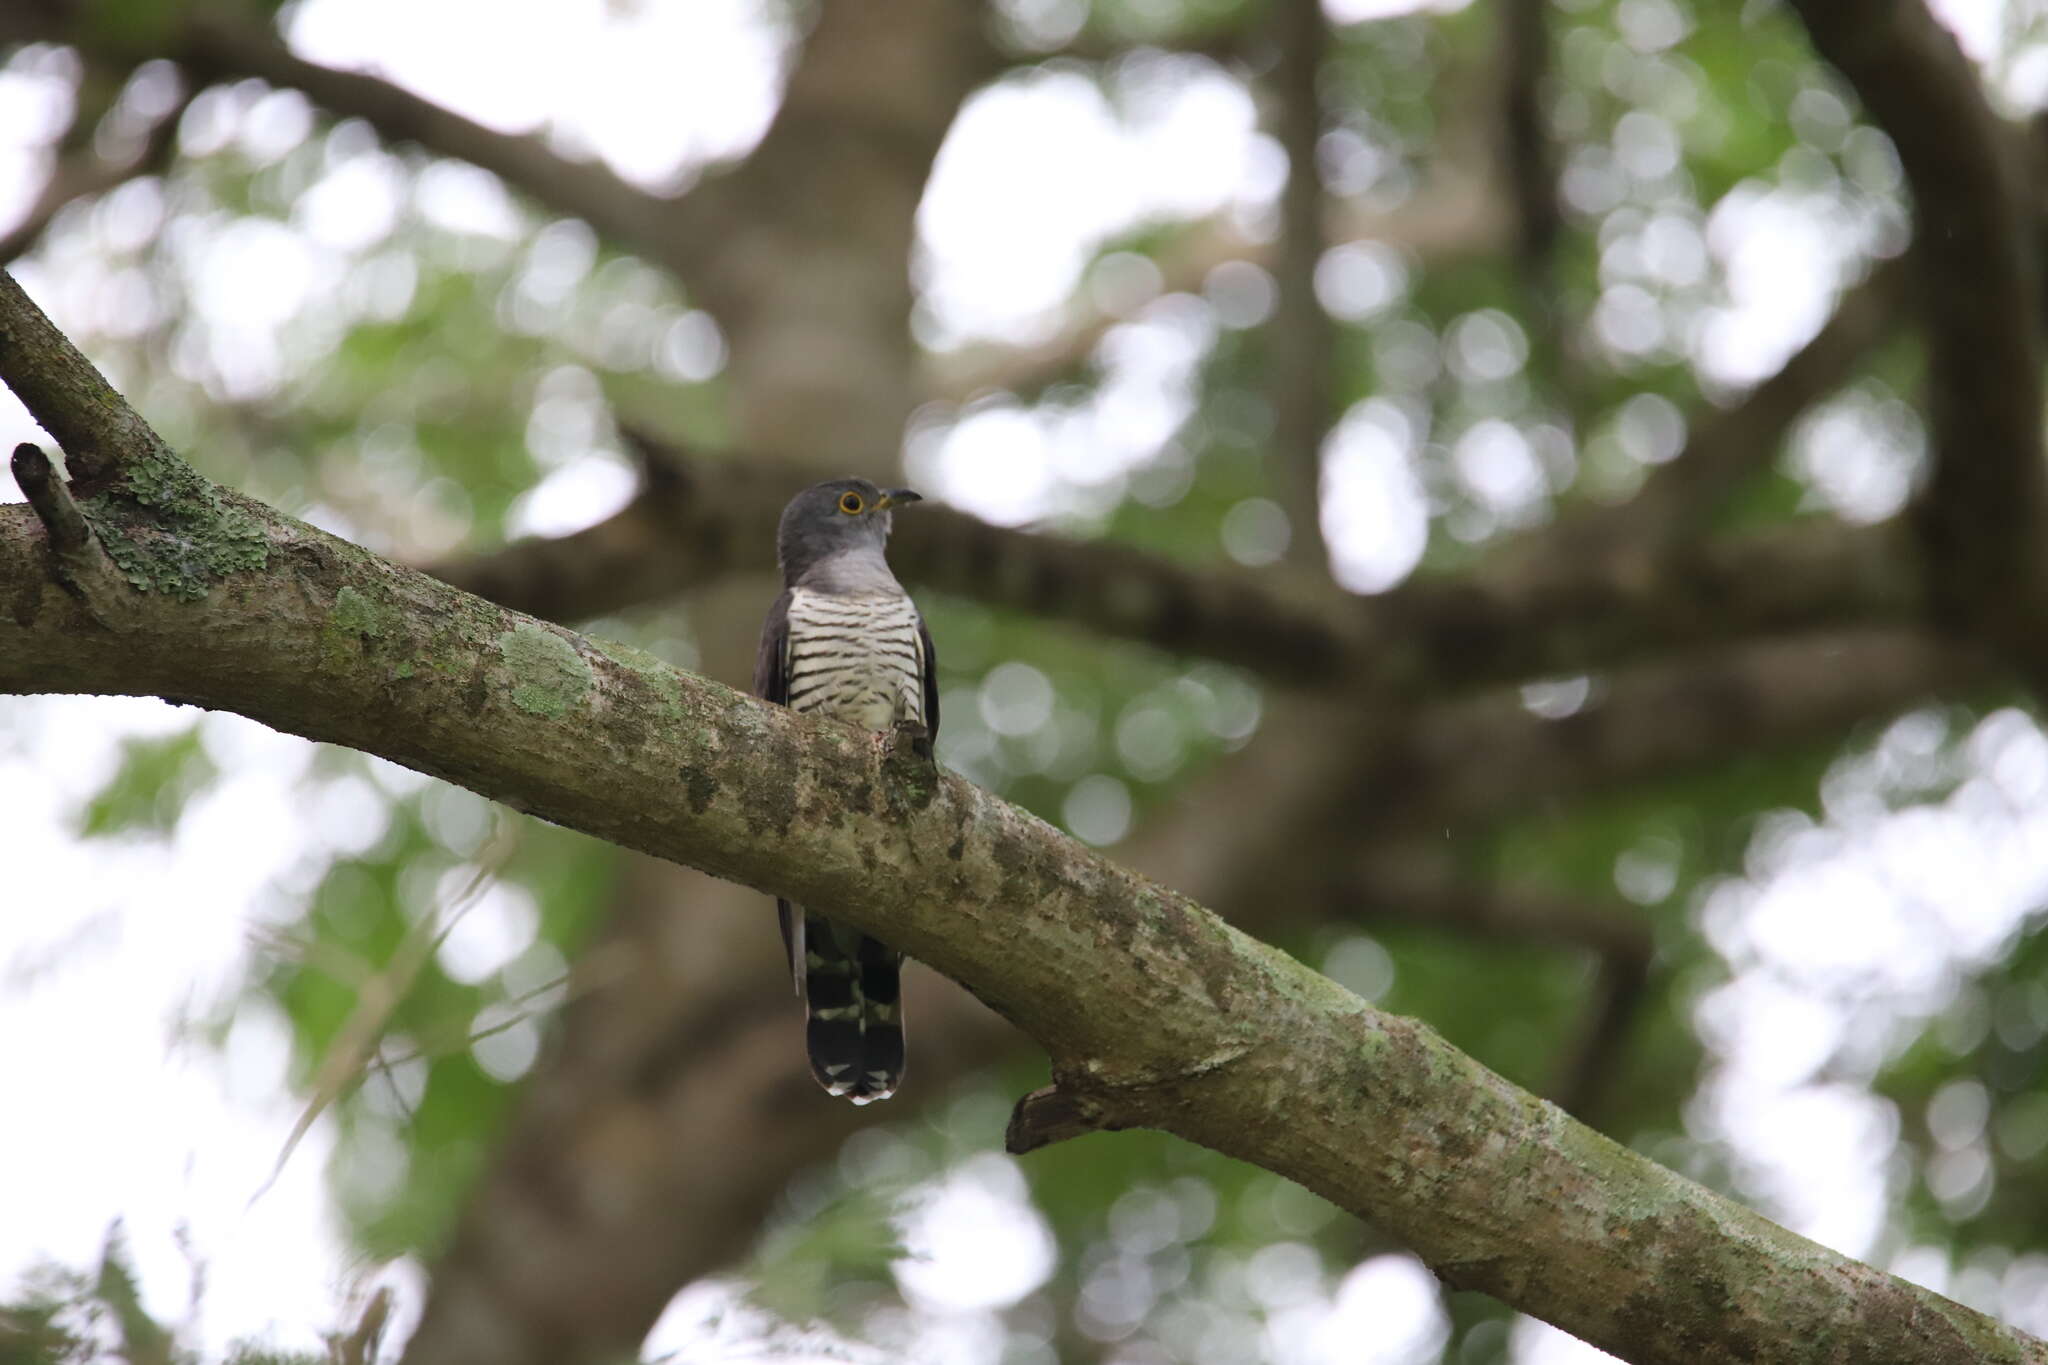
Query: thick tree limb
(1304,764)
(1976,258)
(643,1053)
(1155,1013)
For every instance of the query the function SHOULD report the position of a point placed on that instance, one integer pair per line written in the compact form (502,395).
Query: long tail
(853,996)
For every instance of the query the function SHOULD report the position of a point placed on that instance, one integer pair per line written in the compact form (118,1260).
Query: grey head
(838,529)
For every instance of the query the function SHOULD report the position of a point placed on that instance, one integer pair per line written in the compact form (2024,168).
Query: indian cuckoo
(845,640)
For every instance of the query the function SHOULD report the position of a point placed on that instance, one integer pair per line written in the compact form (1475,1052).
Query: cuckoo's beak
(897,497)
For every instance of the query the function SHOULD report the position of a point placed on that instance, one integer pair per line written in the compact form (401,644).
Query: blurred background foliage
(430,366)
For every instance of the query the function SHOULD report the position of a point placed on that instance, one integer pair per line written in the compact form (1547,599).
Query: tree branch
(1977,269)
(1223,42)
(1529,162)
(1557,614)
(1155,1013)
(51,501)
(1304,764)
(74,403)
(1732,444)
(216,47)
(696,520)
(685,1044)
(80,174)
(1476,759)
(1586,1078)
(1614,571)
(1298,359)
(1455,216)
(80,561)
(1393,883)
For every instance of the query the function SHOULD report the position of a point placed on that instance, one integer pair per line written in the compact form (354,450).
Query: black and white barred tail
(852,991)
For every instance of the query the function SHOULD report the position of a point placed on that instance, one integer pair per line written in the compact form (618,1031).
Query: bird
(845,640)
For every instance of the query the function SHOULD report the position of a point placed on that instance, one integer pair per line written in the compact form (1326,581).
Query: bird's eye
(850,504)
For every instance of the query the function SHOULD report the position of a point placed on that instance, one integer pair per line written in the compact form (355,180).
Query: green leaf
(148,793)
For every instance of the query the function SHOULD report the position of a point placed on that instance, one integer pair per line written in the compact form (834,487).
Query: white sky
(167,1137)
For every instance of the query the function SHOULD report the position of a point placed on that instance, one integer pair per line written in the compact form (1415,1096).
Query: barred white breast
(855,656)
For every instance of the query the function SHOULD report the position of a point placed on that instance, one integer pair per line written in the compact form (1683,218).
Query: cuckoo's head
(834,517)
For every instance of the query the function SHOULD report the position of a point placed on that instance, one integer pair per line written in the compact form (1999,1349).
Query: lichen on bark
(170,531)
(549,675)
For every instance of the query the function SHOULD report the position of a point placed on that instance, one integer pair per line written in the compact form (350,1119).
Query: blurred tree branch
(1976,262)
(215,46)
(1529,164)
(710,234)
(1632,571)
(1479,758)
(1221,42)
(1457,215)
(1730,445)
(848,115)
(80,172)
(1299,357)
(1154,1012)
(1560,614)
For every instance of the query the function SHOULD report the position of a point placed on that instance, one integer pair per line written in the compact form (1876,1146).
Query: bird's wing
(771,663)
(928,673)
(771,683)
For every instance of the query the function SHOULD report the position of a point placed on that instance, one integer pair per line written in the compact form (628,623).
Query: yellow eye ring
(851,504)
